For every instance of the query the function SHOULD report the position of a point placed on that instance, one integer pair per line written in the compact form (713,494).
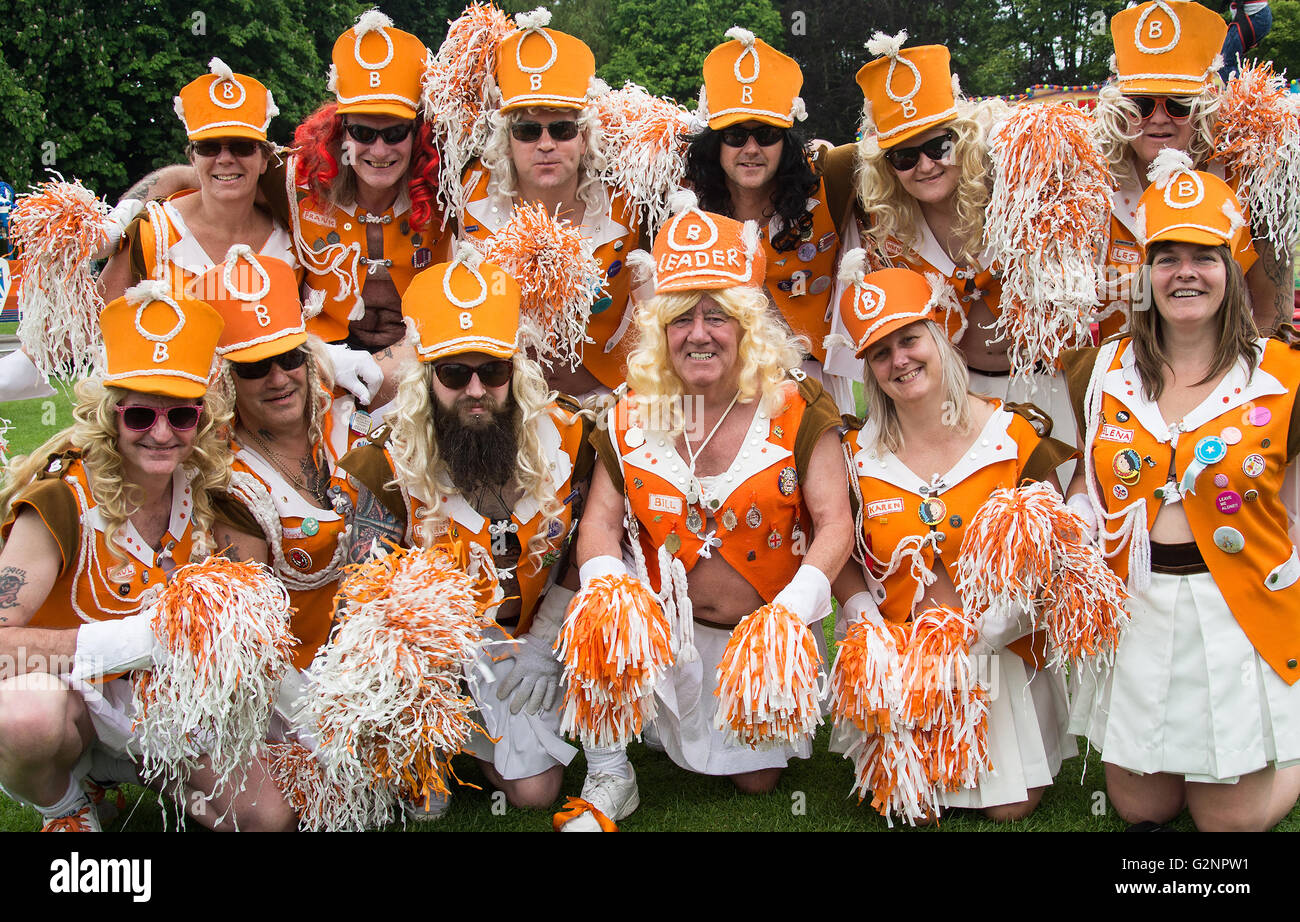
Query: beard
(477,450)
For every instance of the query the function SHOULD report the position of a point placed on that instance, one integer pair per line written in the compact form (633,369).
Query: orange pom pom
(643,138)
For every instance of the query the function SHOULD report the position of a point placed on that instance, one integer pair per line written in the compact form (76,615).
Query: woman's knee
(763,781)
(537,792)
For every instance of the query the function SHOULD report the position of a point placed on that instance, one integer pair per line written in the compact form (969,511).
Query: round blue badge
(1211,449)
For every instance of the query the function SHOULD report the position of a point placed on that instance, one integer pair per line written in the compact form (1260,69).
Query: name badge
(1126,255)
(317,218)
(662,503)
(884,507)
(1111,433)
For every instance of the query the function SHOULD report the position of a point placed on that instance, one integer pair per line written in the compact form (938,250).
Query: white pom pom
(834,340)
(853,266)
(179,105)
(642,266)
(221,69)
(1140,221)
(1217,64)
(272,110)
(1235,220)
(534,20)
(314,304)
(148,290)
(881,44)
(744,36)
(702,110)
(956,87)
(468,254)
(1114,64)
(798,112)
(749,237)
(596,87)
(1168,162)
(332,82)
(371,21)
(682,200)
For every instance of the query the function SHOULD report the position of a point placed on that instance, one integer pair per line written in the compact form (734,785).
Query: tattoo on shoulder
(142,189)
(12,580)
(372,525)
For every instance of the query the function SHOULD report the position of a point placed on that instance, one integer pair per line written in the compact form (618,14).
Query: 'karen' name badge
(884,507)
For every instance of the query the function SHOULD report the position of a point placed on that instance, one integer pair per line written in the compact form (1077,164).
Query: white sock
(612,760)
(68,803)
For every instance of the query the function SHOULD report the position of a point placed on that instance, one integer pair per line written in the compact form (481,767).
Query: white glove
(604,565)
(356,370)
(116,223)
(117,645)
(1081,506)
(534,679)
(20,379)
(290,702)
(996,630)
(808,595)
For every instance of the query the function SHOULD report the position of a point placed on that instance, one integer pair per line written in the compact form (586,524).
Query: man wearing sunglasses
(485,462)
(543,148)
(750,163)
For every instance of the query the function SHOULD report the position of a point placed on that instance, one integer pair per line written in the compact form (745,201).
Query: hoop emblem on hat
(1189,189)
(868,301)
(905,100)
(226,92)
(692,232)
(159,337)
(369,65)
(245,253)
(473,302)
(1155,29)
(519,47)
(750,51)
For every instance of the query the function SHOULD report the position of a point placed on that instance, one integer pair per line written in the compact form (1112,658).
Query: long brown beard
(480,454)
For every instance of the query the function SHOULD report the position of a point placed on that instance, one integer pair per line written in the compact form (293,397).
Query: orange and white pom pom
(1085,614)
(559,277)
(866,681)
(322,805)
(459,94)
(1006,555)
(58,228)
(767,680)
(893,767)
(1257,138)
(1045,229)
(643,138)
(616,645)
(386,703)
(225,629)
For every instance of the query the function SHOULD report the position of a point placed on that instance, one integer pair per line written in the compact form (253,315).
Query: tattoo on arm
(141,189)
(12,580)
(1279,273)
(371,524)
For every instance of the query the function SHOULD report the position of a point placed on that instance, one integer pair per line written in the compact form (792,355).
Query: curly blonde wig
(496,158)
(414,447)
(94,434)
(767,351)
(896,218)
(1116,123)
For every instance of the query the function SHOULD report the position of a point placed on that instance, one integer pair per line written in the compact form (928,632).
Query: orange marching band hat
(746,78)
(224,104)
(1167,48)
(1183,204)
(257,297)
(541,67)
(466,305)
(906,91)
(159,342)
(376,69)
(698,250)
(875,304)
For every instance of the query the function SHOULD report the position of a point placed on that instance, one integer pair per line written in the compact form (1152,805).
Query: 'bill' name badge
(662,503)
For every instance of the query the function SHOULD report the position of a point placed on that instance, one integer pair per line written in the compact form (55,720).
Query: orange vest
(894,498)
(331,243)
(614,234)
(799,277)
(93,584)
(1236,512)
(763,495)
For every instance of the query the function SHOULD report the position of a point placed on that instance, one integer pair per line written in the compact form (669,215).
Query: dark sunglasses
(1178,110)
(765,135)
(903,159)
(239,147)
(456,375)
(529,132)
(251,371)
(181,418)
(364,134)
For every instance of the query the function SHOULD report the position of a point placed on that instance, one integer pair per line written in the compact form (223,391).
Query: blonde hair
(1111,130)
(896,217)
(414,447)
(93,433)
(767,351)
(496,158)
(956,386)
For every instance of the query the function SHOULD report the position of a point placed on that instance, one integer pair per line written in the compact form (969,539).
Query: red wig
(319,141)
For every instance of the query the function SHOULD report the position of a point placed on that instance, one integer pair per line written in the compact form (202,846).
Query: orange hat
(1169,47)
(223,104)
(698,250)
(875,304)
(542,67)
(907,91)
(257,296)
(466,305)
(157,344)
(377,69)
(1186,205)
(747,78)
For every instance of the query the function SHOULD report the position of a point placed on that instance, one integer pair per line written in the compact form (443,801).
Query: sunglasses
(238,147)
(456,375)
(1178,110)
(181,418)
(903,159)
(364,134)
(765,135)
(251,371)
(529,132)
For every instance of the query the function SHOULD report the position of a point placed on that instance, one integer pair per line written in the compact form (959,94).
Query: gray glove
(534,677)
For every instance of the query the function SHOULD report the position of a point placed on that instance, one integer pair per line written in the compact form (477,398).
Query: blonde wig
(896,218)
(767,352)
(94,434)
(414,447)
(1116,123)
(496,158)
(956,385)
